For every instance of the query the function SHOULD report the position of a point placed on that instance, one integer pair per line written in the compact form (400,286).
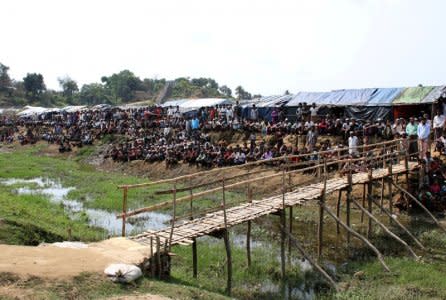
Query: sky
(265,46)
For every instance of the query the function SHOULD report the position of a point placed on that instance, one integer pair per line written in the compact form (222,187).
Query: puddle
(58,194)
(269,289)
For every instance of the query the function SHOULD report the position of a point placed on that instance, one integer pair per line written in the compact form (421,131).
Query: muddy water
(58,194)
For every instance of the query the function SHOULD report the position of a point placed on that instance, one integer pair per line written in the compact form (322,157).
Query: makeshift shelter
(372,104)
(410,102)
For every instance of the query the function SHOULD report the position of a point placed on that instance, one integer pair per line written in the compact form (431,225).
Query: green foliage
(122,85)
(34,84)
(241,93)
(94,93)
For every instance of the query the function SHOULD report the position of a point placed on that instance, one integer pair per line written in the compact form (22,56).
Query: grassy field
(26,219)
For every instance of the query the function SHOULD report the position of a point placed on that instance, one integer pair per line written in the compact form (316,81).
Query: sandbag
(123,273)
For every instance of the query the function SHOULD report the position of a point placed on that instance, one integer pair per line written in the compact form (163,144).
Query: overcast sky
(266,46)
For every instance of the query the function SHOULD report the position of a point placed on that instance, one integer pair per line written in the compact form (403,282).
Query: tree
(5,80)
(123,85)
(68,85)
(287,92)
(34,84)
(226,91)
(241,93)
(94,93)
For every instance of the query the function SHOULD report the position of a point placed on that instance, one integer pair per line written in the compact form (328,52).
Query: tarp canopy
(309,98)
(174,103)
(32,110)
(356,97)
(74,108)
(273,101)
(434,95)
(384,96)
(194,104)
(413,95)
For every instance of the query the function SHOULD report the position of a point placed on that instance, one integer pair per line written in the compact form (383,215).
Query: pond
(58,194)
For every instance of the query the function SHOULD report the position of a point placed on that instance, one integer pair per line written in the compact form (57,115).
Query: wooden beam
(194,258)
(338,209)
(387,230)
(124,210)
(369,203)
(387,212)
(359,236)
(420,205)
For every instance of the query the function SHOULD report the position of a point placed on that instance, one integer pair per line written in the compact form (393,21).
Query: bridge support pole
(194,258)
(389,187)
(349,197)
(124,210)
(359,236)
(290,230)
(283,224)
(369,202)
(248,232)
(363,202)
(338,210)
(227,244)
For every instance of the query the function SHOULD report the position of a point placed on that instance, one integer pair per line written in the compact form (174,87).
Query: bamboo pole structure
(389,187)
(158,257)
(420,205)
(338,210)
(310,260)
(227,244)
(194,243)
(363,201)
(349,196)
(283,224)
(387,230)
(320,231)
(152,259)
(124,210)
(387,212)
(359,236)
(369,203)
(174,214)
(248,232)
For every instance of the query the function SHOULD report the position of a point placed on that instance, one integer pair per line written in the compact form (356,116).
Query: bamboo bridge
(382,163)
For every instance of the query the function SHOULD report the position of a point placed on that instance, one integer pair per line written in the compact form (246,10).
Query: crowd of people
(155,134)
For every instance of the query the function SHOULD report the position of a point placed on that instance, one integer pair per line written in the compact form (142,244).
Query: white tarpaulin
(194,104)
(32,110)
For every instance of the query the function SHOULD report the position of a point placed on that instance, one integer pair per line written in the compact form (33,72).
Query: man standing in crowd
(423,132)
(353,143)
(438,125)
(411,131)
(254,114)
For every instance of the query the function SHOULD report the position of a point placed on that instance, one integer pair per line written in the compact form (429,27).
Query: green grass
(93,286)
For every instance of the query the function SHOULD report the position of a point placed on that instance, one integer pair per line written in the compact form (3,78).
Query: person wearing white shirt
(438,125)
(353,144)
(423,132)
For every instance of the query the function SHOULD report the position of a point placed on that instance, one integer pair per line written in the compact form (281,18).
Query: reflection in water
(57,193)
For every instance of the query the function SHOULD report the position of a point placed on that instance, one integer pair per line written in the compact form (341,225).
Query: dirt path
(53,262)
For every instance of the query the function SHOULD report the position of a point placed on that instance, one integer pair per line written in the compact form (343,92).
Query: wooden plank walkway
(184,233)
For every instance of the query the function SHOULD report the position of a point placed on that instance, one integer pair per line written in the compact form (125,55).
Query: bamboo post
(387,212)
(174,213)
(311,261)
(390,233)
(152,259)
(349,195)
(359,236)
(290,230)
(318,166)
(227,245)
(338,210)
(282,222)
(124,210)
(369,202)
(363,202)
(420,205)
(406,166)
(389,187)
(194,243)
(248,233)
(158,256)
(320,231)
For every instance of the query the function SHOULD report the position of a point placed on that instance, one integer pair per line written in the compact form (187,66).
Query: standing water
(58,194)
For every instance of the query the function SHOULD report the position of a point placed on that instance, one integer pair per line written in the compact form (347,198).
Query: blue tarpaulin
(384,96)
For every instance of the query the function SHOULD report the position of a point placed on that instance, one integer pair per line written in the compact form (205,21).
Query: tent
(32,110)
(195,104)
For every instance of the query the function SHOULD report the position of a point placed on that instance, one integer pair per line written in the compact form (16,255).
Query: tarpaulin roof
(384,96)
(32,110)
(434,95)
(174,102)
(271,101)
(413,95)
(308,97)
(358,97)
(193,104)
